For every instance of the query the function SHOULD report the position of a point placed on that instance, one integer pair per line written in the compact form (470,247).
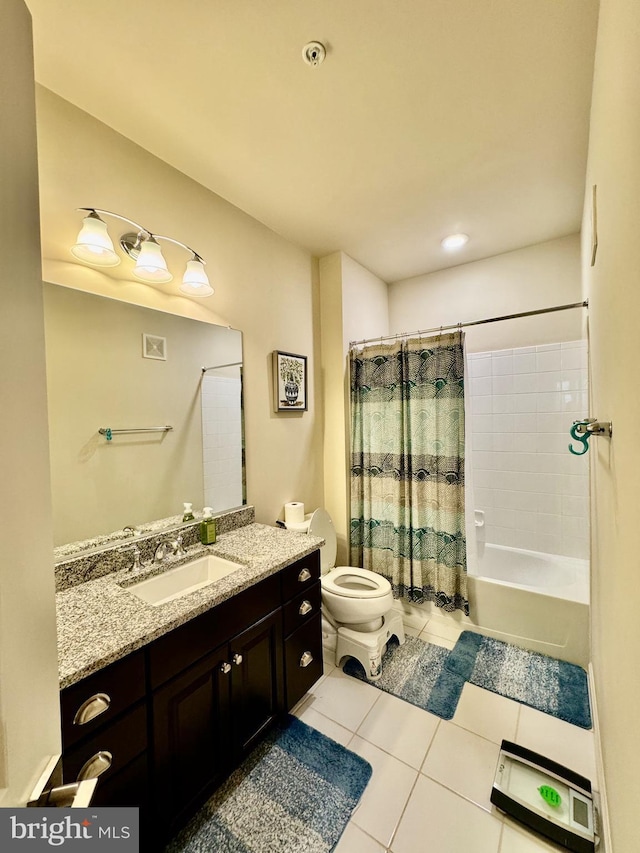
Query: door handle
(225,668)
(304,575)
(306,659)
(237,659)
(305,607)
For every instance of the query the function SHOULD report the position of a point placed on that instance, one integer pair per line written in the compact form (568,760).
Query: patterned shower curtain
(407,467)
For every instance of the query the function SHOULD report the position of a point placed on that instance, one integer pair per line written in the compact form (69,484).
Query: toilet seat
(351,582)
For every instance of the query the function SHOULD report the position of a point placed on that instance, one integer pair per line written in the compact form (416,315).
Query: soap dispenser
(207,527)
(187,513)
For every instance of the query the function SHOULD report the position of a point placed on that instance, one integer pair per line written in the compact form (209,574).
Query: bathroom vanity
(178,694)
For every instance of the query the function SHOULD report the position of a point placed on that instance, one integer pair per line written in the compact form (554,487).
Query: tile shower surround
(534,493)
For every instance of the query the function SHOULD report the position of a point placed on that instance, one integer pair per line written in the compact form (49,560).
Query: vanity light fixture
(95,247)
(454,241)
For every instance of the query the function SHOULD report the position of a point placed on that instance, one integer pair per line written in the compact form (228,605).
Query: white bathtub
(534,600)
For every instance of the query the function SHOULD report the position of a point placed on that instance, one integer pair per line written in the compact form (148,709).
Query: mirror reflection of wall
(98,376)
(222,437)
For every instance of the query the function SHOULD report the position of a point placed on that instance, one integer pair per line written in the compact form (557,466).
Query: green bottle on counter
(207,527)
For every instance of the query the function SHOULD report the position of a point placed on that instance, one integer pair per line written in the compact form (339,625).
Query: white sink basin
(182,580)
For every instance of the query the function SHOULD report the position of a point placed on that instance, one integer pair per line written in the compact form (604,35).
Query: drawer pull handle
(304,575)
(237,659)
(95,766)
(225,668)
(305,607)
(306,659)
(92,708)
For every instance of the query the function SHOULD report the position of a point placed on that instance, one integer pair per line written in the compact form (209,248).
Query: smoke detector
(314,53)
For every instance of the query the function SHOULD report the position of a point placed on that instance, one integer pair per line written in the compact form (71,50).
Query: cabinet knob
(237,659)
(92,708)
(305,607)
(225,668)
(304,575)
(95,766)
(306,659)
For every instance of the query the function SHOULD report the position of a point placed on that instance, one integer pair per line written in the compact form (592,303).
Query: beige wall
(29,709)
(539,276)
(264,286)
(614,295)
(353,306)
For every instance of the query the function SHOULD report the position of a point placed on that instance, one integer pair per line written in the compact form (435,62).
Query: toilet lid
(351,582)
(321,525)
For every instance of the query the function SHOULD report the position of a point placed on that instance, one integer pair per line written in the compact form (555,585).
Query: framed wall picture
(289,382)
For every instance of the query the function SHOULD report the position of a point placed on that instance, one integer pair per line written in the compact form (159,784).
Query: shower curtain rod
(584,304)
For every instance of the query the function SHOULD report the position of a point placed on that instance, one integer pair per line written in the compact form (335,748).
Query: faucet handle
(180,550)
(137,562)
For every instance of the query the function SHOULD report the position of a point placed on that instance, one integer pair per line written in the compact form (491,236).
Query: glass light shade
(455,241)
(151,265)
(94,246)
(195,281)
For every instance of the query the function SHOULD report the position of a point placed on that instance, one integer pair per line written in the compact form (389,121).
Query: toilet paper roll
(297,526)
(294,512)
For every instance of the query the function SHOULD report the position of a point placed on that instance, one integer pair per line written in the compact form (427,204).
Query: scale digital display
(545,796)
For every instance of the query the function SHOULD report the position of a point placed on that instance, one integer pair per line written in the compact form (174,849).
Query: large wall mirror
(115,366)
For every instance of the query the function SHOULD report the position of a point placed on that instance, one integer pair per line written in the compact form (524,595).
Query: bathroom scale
(546,797)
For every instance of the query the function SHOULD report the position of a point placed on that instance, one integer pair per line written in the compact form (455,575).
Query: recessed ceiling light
(455,241)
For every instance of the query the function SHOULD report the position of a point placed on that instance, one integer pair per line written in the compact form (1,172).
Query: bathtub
(534,600)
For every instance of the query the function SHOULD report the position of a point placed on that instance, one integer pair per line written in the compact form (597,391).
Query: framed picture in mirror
(289,382)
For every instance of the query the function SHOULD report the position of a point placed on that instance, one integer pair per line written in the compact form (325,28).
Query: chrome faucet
(169,547)
(137,562)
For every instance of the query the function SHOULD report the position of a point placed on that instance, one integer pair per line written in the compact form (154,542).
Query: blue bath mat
(417,673)
(547,684)
(294,794)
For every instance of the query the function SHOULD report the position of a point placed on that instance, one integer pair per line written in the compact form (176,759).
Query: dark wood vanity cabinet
(104,725)
(181,713)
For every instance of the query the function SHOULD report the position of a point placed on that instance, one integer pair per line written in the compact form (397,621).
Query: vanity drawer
(303,660)
(300,575)
(125,739)
(184,646)
(99,698)
(302,608)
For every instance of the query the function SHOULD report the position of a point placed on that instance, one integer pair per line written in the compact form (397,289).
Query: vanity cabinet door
(190,737)
(256,682)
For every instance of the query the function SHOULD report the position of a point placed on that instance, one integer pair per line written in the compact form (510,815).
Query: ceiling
(427,117)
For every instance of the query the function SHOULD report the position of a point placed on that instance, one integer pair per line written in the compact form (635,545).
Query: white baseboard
(601,799)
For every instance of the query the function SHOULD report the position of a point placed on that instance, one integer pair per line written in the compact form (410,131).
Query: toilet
(357,604)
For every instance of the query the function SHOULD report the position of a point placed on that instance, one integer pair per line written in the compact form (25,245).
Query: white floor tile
(463,762)
(386,795)
(411,632)
(438,820)
(487,714)
(569,745)
(328,661)
(443,627)
(412,616)
(516,839)
(327,726)
(399,728)
(344,699)
(435,640)
(354,840)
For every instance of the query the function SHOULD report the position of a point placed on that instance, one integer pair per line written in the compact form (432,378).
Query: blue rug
(294,794)
(547,684)
(417,673)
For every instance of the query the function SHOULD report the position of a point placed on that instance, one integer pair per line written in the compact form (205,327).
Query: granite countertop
(100,621)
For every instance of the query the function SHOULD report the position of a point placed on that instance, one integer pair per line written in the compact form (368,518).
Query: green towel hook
(583,430)
(579,433)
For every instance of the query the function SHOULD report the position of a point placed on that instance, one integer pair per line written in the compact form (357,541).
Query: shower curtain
(407,467)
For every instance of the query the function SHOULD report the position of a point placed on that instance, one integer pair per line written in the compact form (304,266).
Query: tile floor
(432,777)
